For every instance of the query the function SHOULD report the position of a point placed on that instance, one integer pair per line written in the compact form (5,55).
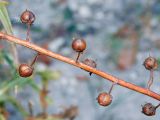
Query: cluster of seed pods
(79,45)
(28,18)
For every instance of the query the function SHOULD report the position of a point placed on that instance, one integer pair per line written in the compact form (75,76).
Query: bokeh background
(120,34)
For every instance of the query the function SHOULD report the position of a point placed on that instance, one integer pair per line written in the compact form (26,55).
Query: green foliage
(2,117)
(49,75)
(8,85)
(4,17)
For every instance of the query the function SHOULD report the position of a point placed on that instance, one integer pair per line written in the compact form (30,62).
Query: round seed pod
(25,70)
(150,63)
(148,109)
(79,45)
(27,17)
(104,99)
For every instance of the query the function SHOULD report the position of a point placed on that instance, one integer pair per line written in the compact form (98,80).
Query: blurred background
(120,34)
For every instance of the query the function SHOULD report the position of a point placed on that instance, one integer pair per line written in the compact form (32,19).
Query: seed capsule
(27,17)
(150,63)
(148,109)
(25,70)
(79,45)
(104,99)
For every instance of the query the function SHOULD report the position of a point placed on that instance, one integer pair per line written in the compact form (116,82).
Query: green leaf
(21,82)
(49,74)
(14,102)
(4,18)
(4,3)
(2,117)
(6,22)
(34,85)
(8,58)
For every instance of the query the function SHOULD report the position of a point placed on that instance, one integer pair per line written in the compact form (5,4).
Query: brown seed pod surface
(104,99)
(150,63)
(25,70)
(79,45)
(27,17)
(90,63)
(148,109)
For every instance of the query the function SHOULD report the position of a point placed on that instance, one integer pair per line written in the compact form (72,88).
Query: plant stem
(102,74)
(157,106)
(111,88)
(28,33)
(150,82)
(34,60)
(30,108)
(79,53)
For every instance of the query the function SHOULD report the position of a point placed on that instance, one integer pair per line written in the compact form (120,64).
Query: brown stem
(43,95)
(157,106)
(150,82)
(34,60)
(30,108)
(79,53)
(80,65)
(112,87)
(28,33)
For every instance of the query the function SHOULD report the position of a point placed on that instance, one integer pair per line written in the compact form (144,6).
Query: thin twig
(80,65)
(28,32)
(157,106)
(30,107)
(79,53)
(34,60)
(150,82)
(112,87)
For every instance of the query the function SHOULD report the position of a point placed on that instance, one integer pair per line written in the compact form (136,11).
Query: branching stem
(102,74)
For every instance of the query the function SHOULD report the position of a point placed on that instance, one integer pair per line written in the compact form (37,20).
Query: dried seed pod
(79,45)
(25,70)
(150,63)
(148,109)
(104,99)
(27,17)
(90,63)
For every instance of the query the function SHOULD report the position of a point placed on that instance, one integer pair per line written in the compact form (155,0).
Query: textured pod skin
(150,63)
(90,63)
(148,109)
(104,99)
(25,70)
(79,45)
(27,17)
